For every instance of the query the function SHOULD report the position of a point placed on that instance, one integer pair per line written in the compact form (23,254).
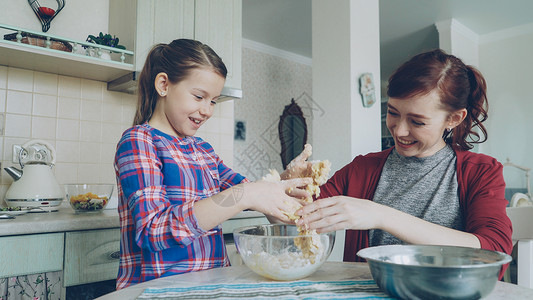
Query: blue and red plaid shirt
(159,179)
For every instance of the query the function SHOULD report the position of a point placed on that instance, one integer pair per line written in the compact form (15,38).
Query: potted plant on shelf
(105,40)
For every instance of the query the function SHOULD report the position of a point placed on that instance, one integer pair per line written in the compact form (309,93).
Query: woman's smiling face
(417,124)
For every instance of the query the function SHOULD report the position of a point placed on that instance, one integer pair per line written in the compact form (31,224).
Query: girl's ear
(161,84)
(457,117)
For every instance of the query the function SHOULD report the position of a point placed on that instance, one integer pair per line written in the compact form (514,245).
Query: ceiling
(406,26)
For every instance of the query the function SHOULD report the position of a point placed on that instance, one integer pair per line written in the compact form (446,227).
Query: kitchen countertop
(330,271)
(65,219)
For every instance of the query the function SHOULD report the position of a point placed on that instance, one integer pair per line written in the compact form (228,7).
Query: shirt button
(194,157)
(138,193)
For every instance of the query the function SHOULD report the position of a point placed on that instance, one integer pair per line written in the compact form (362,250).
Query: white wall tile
(44,105)
(69,87)
(227,109)
(89,152)
(107,175)
(88,173)
(68,108)
(20,79)
(66,172)
(3,94)
(112,112)
(19,102)
(43,128)
(91,89)
(18,126)
(68,152)
(128,113)
(113,132)
(107,153)
(112,97)
(226,126)
(91,110)
(90,131)
(68,130)
(3,77)
(45,83)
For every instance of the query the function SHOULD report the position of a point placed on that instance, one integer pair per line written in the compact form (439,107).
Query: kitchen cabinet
(215,23)
(84,256)
(30,254)
(219,25)
(91,256)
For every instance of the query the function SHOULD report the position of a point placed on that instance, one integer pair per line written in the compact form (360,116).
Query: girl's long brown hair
(458,85)
(176,59)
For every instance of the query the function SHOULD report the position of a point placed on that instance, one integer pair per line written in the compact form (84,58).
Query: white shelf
(41,59)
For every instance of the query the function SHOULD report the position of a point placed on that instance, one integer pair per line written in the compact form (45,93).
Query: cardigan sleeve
(482,191)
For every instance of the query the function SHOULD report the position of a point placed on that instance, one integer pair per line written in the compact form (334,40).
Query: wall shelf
(51,61)
(25,56)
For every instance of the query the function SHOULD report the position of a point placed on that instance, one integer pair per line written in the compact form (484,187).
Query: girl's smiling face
(188,104)
(417,124)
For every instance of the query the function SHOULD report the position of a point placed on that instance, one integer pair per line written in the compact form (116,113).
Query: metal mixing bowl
(272,250)
(434,272)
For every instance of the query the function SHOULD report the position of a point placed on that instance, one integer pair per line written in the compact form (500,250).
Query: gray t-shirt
(424,187)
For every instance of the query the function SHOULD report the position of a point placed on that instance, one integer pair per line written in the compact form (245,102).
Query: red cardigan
(481,196)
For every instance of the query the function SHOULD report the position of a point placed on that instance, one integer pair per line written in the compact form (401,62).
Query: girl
(174,191)
(428,188)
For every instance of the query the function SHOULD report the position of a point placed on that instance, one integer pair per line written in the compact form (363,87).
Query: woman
(428,188)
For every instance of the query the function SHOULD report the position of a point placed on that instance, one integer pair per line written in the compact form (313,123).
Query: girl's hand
(340,212)
(299,166)
(271,198)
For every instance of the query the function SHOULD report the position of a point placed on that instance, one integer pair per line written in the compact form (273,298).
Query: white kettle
(34,185)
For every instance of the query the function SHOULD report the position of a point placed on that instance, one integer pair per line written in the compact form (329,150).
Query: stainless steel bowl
(274,251)
(434,272)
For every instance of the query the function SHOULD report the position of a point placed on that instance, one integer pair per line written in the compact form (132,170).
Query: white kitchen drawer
(30,254)
(91,256)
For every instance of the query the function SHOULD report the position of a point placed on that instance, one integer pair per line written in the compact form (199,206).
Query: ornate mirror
(292,132)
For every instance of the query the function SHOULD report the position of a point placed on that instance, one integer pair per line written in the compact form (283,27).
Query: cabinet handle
(114,255)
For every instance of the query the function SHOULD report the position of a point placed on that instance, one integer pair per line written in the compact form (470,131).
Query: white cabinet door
(173,19)
(219,25)
(161,21)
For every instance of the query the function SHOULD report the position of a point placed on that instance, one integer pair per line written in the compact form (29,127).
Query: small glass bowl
(88,197)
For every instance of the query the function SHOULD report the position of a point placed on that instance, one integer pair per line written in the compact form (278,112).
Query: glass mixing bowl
(88,197)
(277,252)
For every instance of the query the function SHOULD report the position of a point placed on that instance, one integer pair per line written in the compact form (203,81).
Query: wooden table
(330,271)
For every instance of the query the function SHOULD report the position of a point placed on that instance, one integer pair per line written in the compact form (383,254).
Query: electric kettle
(34,185)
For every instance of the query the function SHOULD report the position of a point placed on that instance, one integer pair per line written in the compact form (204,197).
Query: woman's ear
(161,84)
(457,117)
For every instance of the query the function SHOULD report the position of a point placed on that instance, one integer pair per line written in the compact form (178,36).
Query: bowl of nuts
(88,197)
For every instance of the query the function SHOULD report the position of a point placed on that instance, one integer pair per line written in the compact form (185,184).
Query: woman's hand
(271,198)
(340,212)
